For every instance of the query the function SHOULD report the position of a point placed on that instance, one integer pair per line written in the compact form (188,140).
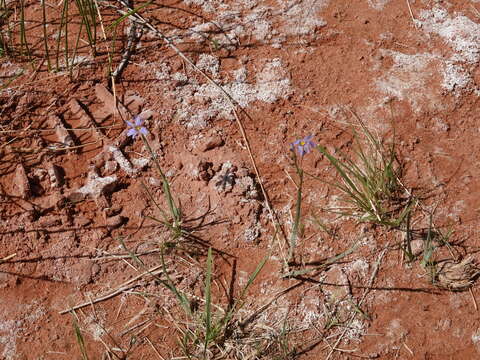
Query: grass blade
(208,301)
(327,262)
(45,36)
(298,209)
(79,338)
(23,35)
(126,15)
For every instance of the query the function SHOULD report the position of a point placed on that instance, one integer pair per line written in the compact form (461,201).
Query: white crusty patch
(459,32)
(408,79)
(200,103)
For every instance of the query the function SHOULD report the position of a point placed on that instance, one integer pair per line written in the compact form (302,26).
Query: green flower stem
(298,211)
(166,186)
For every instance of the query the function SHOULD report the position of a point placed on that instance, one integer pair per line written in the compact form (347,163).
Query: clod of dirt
(22,183)
(77,109)
(63,135)
(224,180)
(252,233)
(81,221)
(81,273)
(110,167)
(56,175)
(247,186)
(108,99)
(47,222)
(210,142)
(203,171)
(122,161)
(40,174)
(95,187)
(114,210)
(457,276)
(140,163)
(115,222)
(134,102)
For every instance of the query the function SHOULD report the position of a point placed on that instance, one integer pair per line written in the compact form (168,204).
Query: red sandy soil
(296,67)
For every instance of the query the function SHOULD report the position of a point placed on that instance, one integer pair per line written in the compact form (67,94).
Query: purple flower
(136,127)
(303,146)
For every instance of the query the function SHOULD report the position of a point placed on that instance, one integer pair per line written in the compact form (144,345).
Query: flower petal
(138,121)
(301,150)
(132,132)
(143,130)
(129,123)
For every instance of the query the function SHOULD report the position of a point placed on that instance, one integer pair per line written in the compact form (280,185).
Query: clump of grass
(88,12)
(370,181)
(209,330)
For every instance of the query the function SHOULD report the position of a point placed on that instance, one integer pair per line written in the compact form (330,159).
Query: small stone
(49,221)
(251,234)
(103,202)
(178,164)
(66,220)
(236,219)
(440,125)
(64,136)
(81,221)
(40,174)
(224,179)
(56,174)
(147,114)
(97,185)
(179,79)
(76,197)
(99,161)
(115,222)
(246,187)
(55,201)
(22,183)
(210,142)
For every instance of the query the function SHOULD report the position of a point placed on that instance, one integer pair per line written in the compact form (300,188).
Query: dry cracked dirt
(78,197)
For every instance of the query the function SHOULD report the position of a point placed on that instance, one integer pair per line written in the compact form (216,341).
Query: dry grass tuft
(457,276)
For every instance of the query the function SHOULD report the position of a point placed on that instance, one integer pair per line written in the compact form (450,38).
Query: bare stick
(6,258)
(131,43)
(473,299)
(154,348)
(411,14)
